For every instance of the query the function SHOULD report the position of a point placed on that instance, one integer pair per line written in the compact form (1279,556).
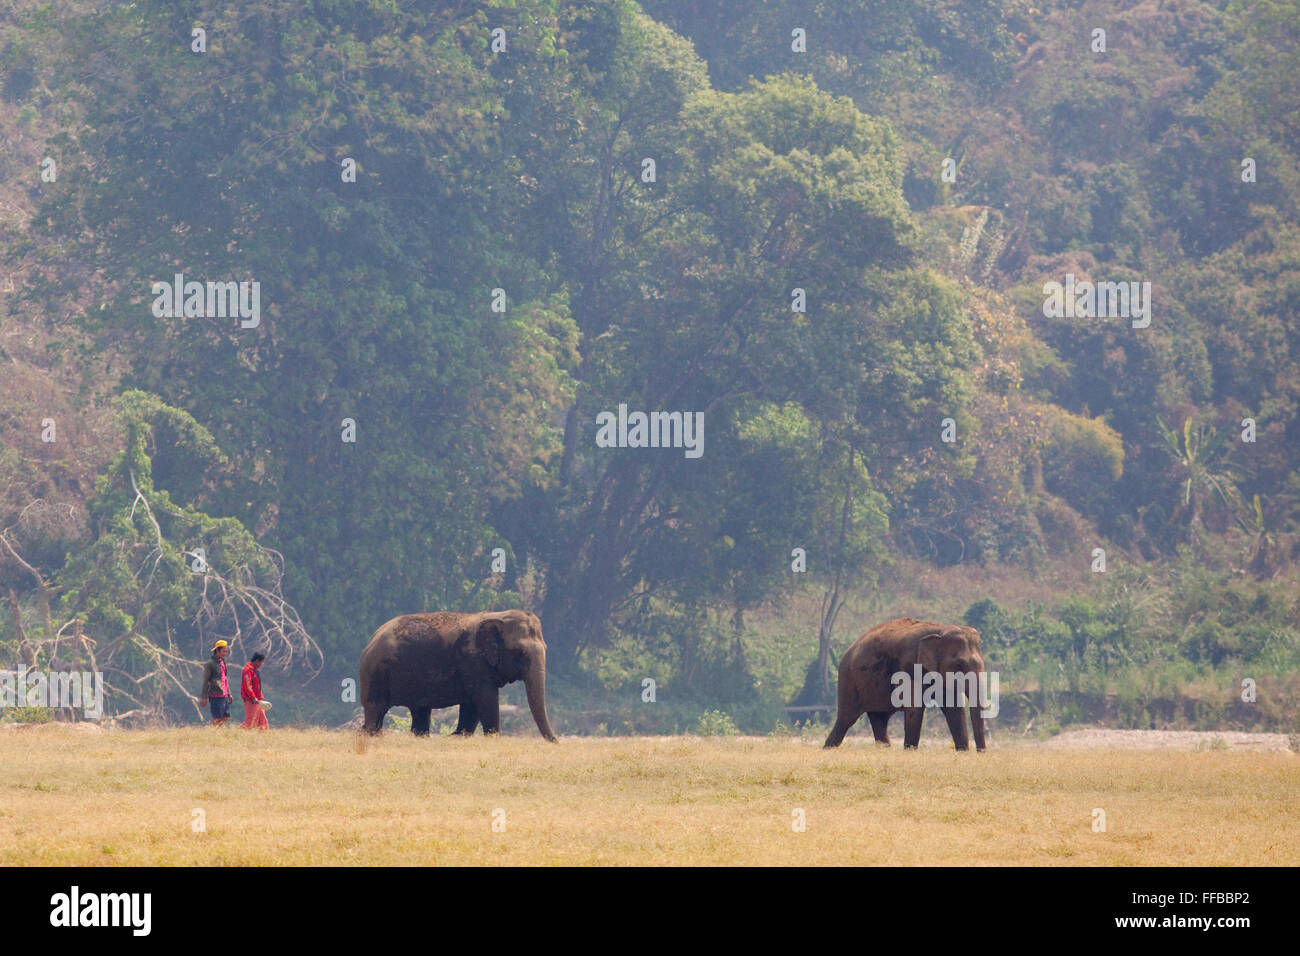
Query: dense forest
(314,313)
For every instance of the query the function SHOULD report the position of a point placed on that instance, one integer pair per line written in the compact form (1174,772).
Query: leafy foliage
(160,583)
(525,172)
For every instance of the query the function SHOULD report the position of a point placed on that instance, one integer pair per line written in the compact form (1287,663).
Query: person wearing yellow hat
(216,686)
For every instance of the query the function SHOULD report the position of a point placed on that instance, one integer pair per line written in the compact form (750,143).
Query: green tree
(1205,478)
(376,295)
(158,582)
(684,302)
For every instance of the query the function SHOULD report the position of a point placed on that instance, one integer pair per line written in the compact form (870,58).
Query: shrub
(1082,460)
(716,723)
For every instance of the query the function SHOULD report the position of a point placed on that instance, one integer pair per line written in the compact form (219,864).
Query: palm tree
(1209,479)
(1265,560)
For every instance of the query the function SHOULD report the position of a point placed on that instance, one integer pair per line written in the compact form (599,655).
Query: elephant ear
(929,649)
(489,640)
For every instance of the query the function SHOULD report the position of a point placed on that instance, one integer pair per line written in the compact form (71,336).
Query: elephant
(895,646)
(423,661)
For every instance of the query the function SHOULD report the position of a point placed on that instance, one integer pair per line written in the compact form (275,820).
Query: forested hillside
(988,308)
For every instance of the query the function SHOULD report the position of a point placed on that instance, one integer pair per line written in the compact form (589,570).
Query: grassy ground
(319,797)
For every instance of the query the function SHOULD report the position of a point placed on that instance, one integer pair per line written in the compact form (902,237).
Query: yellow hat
(219,644)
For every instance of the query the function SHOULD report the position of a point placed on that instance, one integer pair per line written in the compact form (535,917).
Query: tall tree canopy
(479,229)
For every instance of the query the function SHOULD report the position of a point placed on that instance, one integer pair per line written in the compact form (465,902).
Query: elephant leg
(374,719)
(845,719)
(420,721)
(847,711)
(468,720)
(956,717)
(488,708)
(912,717)
(879,726)
(977,726)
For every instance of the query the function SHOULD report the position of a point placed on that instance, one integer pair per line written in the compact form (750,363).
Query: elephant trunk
(976,718)
(535,686)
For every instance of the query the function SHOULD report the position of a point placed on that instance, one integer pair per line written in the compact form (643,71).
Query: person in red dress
(250,689)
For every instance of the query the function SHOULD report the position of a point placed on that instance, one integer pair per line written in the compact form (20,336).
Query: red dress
(250,689)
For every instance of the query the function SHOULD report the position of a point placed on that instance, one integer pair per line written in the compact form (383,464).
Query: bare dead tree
(146,664)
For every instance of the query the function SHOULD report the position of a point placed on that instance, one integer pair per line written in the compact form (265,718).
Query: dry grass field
(320,797)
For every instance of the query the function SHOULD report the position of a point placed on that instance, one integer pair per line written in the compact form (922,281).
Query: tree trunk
(818,687)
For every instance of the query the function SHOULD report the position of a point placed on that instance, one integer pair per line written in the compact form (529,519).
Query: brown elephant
(423,661)
(897,646)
